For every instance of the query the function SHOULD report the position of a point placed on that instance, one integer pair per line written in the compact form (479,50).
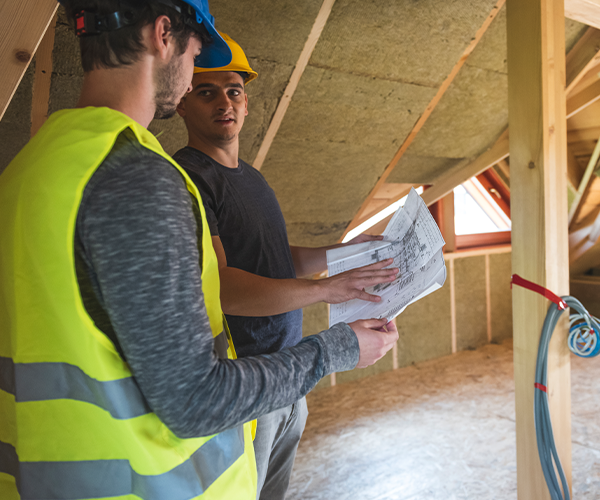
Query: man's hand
(375,338)
(351,284)
(361,238)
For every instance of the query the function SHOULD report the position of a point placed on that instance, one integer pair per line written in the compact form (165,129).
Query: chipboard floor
(442,429)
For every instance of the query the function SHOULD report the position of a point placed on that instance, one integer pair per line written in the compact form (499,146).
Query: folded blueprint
(414,241)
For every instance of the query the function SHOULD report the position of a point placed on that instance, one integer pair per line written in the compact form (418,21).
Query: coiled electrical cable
(584,341)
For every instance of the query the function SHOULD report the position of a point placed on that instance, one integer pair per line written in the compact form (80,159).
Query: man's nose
(224,101)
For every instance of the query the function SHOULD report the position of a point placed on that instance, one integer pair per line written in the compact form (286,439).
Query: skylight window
(476,211)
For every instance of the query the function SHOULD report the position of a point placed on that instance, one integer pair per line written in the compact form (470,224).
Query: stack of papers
(414,241)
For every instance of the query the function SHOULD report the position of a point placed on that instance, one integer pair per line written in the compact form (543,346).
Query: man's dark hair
(123,46)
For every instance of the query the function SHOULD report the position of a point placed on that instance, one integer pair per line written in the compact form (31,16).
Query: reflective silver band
(109,478)
(46,381)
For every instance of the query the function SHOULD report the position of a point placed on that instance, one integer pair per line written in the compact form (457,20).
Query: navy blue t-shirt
(241,208)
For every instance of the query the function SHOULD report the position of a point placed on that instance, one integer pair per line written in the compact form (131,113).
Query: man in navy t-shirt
(260,292)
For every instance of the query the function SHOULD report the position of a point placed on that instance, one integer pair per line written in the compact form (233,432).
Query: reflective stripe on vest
(122,398)
(109,478)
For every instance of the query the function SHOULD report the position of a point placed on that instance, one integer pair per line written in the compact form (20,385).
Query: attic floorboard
(442,429)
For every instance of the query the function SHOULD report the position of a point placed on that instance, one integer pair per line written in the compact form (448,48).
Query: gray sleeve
(140,236)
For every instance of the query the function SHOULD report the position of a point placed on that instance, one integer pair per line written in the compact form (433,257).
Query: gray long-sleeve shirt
(137,253)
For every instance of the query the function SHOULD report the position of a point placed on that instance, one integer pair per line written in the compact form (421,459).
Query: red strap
(517,280)
(540,387)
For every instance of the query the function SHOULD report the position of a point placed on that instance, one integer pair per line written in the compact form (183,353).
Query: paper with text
(414,241)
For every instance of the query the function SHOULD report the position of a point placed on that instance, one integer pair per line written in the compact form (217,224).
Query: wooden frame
(538,160)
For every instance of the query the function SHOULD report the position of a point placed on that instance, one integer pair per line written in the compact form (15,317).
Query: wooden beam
(583,134)
(537,122)
(585,181)
(582,57)
(584,260)
(22,26)
(42,79)
(427,113)
(584,11)
(574,170)
(504,167)
(448,229)
(449,181)
(583,99)
(288,93)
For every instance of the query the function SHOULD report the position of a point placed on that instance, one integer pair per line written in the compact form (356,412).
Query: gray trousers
(277,436)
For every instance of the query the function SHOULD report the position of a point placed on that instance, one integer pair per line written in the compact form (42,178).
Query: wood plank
(574,170)
(583,134)
(449,181)
(504,167)
(488,298)
(453,339)
(537,122)
(583,99)
(392,190)
(583,185)
(583,55)
(586,260)
(288,93)
(428,110)
(448,229)
(584,11)
(22,25)
(370,214)
(42,79)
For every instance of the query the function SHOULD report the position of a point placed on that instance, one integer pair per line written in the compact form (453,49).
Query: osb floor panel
(442,429)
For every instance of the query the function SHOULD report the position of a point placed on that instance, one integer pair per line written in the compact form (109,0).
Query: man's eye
(234,93)
(204,93)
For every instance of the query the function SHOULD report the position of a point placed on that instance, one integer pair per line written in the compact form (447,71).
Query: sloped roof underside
(374,70)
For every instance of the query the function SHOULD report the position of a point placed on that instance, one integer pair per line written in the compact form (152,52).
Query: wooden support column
(538,164)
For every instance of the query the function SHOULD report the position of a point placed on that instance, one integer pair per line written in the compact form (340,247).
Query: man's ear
(246,110)
(161,38)
(181,108)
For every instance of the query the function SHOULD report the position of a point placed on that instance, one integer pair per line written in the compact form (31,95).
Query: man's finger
(374,323)
(362,295)
(377,265)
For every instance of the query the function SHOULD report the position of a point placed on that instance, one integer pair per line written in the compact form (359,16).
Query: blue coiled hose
(584,340)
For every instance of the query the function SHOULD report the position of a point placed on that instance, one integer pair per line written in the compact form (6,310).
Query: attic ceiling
(376,67)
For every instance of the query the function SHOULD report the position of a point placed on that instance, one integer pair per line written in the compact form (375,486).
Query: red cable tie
(529,285)
(540,387)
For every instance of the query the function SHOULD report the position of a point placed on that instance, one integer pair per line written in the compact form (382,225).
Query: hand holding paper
(414,242)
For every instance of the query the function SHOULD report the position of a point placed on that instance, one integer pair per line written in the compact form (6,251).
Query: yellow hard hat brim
(239,62)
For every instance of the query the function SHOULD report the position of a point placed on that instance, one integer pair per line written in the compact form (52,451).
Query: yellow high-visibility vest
(73,422)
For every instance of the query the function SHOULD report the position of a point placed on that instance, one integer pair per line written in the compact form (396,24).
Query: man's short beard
(166,97)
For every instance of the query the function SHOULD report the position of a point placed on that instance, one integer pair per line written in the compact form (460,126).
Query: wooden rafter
(288,93)
(581,59)
(22,26)
(584,11)
(426,114)
(584,184)
(447,182)
(584,55)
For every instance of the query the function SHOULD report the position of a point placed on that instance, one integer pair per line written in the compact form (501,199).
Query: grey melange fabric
(137,257)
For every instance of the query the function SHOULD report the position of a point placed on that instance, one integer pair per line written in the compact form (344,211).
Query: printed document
(414,241)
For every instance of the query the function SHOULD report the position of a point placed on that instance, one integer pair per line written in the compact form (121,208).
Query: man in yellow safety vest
(117,377)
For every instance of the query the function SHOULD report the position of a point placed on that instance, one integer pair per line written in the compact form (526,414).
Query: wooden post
(448,229)
(538,164)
